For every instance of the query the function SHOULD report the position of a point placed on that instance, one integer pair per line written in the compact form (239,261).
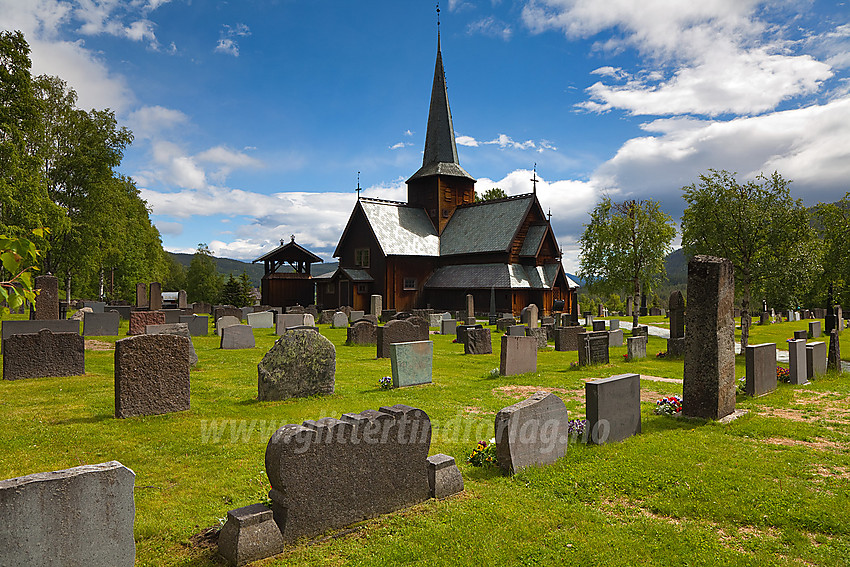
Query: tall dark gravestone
(709,377)
(142,296)
(676,308)
(155,302)
(47,300)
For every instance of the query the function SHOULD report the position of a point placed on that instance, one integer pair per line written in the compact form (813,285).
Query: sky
(253,119)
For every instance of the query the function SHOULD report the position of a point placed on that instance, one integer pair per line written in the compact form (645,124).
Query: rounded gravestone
(301,363)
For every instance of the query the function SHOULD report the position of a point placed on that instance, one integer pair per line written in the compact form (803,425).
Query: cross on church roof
(358,186)
(534,180)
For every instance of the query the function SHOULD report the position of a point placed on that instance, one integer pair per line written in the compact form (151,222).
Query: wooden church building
(441,245)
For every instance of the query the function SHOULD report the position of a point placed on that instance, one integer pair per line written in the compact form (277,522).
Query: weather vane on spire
(534,179)
(358,186)
(438,17)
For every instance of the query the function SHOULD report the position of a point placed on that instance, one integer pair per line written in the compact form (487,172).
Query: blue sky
(252,118)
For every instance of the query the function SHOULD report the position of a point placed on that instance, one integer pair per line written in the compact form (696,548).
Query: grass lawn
(772,488)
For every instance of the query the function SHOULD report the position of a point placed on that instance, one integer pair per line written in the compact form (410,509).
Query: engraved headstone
(478,341)
(142,296)
(261,320)
(362,333)
(301,363)
(448,327)
(226,321)
(397,331)
(340,320)
(593,348)
(376,306)
(814,329)
(518,355)
(539,334)
(676,307)
(199,325)
(178,329)
(636,348)
(566,338)
(532,432)
(155,300)
(613,408)
(444,478)
(42,354)
(833,359)
(615,338)
(797,361)
(151,375)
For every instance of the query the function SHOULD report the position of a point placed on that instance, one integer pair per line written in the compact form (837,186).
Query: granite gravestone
(593,348)
(78,516)
(355,315)
(327,317)
(101,324)
(261,320)
(155,300)
(249,534)
(518,355)
(833,359)
(540,335)
(142,296)
(411,363)
(141,319)
(301,363)
(566,338)
(396,331)
(797,361)
(814,329)
(226,321)
(470,306)
(599,325)
(43,354)
(237,337)
(709,375)
(47,300)
(422,327)
(613,324)
(478,341)
(444,478)
(152,375)
(220,311)
(171,315)
(182,299)
(801,334)
(815,359)
(362,333)
(10,328)
(378,459)
(448,327)
(636,348)
(761,369)
(532,432)
(615,338)
(340,320)
(613,408)
(376,306)
(516,331)
(122,310)
(462,331)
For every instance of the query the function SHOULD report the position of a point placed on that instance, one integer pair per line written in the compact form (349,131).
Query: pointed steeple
(440,157)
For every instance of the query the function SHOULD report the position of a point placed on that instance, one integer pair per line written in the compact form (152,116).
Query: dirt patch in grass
(93,344)
(808,406)
(472,409)
(206,538)
(516,391)
(821,444)
(831,471)
(660,379)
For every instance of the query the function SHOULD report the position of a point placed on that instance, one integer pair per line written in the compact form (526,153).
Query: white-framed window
(361,257)
(409,283)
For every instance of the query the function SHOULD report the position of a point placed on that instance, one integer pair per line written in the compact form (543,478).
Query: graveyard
(769,488)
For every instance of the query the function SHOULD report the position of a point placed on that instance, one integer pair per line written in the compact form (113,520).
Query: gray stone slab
(290,320)
(220,311)
(177,329)
(516,330)
(142,301)
(362,333)
(95,306)
(636,348)
(797,361)
(199,325)
(47,300)
(533,432)
(599,325)
(122,310)
(172,315)
(613,324)
(101,324)
(676,306)
(478,341)
(396,331)
(340,320)
(301,363)
(518,355)
(613,408)
(261,320)
(540,335)
(411,363)
(376,305)
(615,338)
(422,327)
(10,328)
(593,348)
(237,337)
(709,371)
(815,359)
(676,347)
(355,316)
(444,478)
(152,375)
(448,327)
(814,329)
(566,338)
(378,463)
(761,369)
(78,516)
(250,534)
(226,321)
(462,331)
(435,320)
(43,354)
(801,334)
(155,296)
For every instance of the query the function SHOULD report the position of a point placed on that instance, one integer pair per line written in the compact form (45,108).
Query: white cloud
(466,141)
(151,121)
(228,46)
(504,142)
(400,145)
(490,27)
(227,160)
(169,228)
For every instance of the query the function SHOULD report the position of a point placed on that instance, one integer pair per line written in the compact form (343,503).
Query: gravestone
(613,324)
(588,320)
(615,338)
(462,331)
(764,318)
(529,316)
(814,329)
(172,315)
(434,320)
(226,321)
(340,320)
(151,375)
(676,307)
(249,534)
(155,300)
(630,306)
(376,305)
(709,374)
(78,516)
(355,315)
(42,354)
(600,311)
(327,317)
(202,307)
(539,334)
(478,341)
(220,311)
(656,312)
(516,331)
(177,329)
(397,331)
(101,324)
(504,323)
(444,478)
(142,296)
(199,325)
(550,331)
(593,348)
(10,327)
(47,300)
(801,334)
(378,464)
(448,327)
(676,347)
(80,313)
(261,320)
(643,310)
(295,310)
(613,408)
(362,333)
(141,319)
(833,361)
(122,310)
(422,327)
(640,331)
(761,369)
(389,315)
(411,363)
(470,306)
(815,359)
(518,355)
(182,299)
(636,348)
(566,338)
(599,325)
(236,337)
(290,320)
(301,363)
(95,306)
(533,432)
(797,361)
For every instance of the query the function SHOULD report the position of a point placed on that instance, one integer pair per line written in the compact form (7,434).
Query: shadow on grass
(90,419)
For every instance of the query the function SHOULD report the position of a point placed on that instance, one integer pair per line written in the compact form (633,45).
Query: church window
(362,289)
(331,288)
(447,194)
(361,257)
(409,283)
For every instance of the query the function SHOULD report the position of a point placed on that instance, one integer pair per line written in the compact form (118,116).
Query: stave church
(442,244)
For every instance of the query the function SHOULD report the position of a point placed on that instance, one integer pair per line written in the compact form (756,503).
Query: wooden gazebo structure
(286,288)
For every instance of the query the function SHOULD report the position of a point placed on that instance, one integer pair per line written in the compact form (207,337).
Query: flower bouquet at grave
(386,383)
(668,405)
(576,429)
(662,354)
(783,374)
(484,454)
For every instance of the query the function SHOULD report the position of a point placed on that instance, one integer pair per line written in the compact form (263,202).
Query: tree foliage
(237,291)
(18,257)
(624,245)
(203,282)
(834,228)
(759,228)
(491,194)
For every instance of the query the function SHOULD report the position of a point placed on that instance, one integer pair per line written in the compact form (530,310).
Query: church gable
(485,227)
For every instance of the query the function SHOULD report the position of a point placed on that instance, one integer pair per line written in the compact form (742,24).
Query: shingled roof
(488,226)
(501,276)
(401,230)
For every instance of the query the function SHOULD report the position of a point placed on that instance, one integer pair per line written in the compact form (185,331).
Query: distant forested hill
(227,266)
